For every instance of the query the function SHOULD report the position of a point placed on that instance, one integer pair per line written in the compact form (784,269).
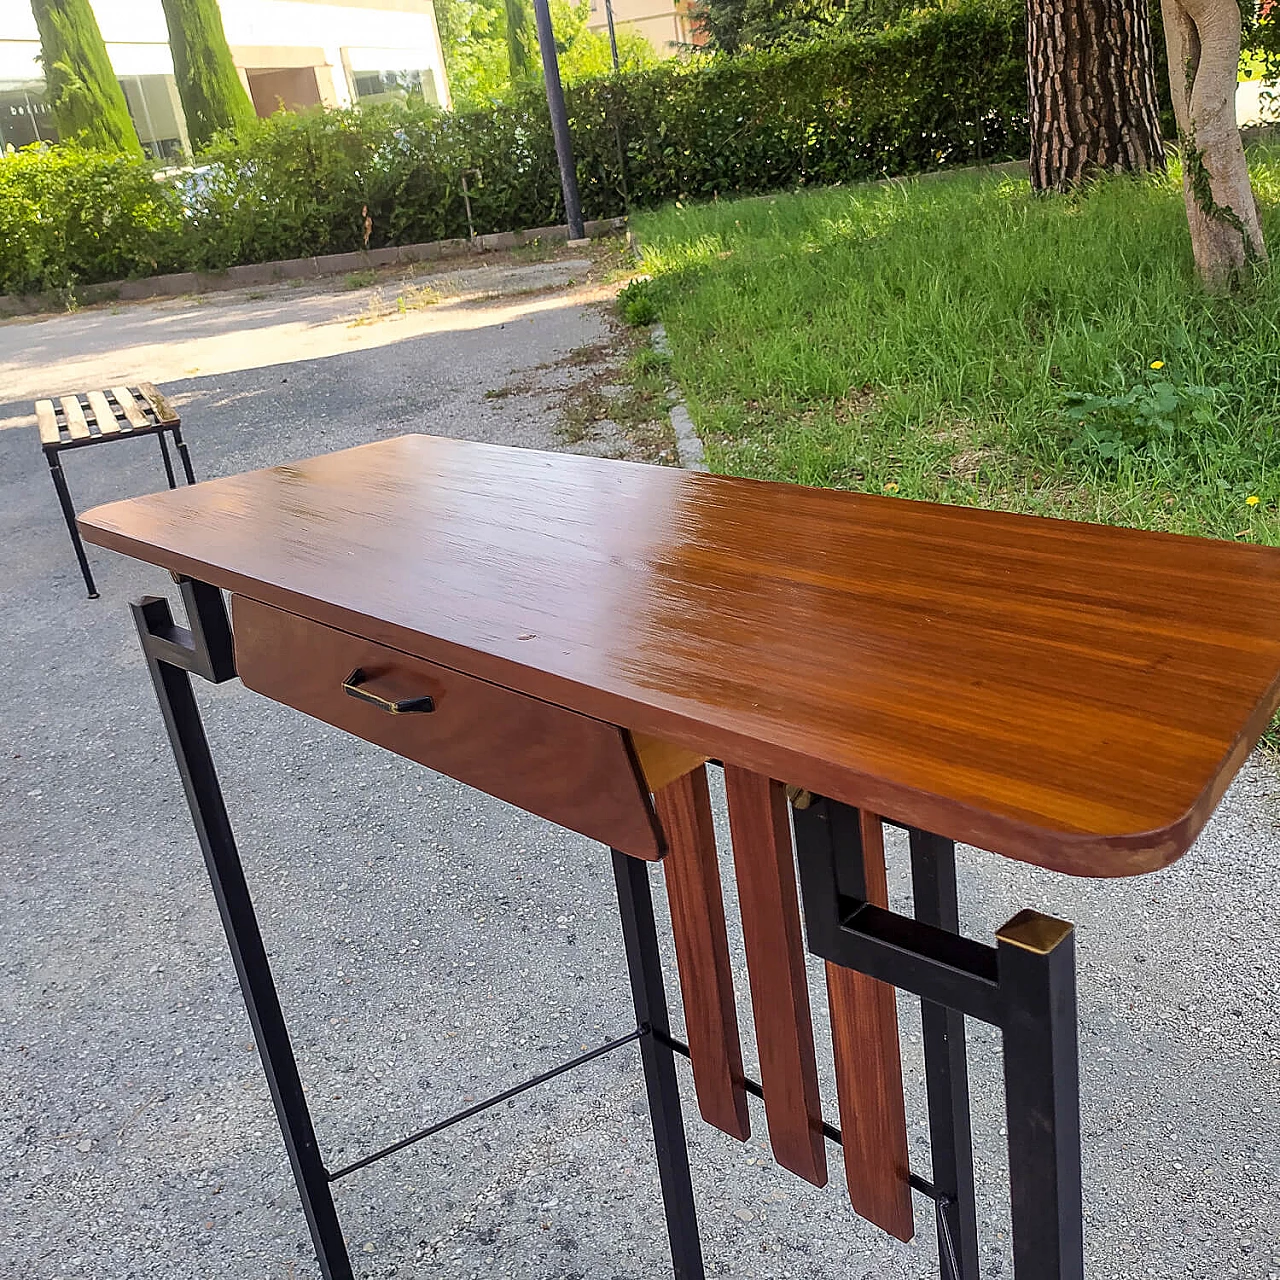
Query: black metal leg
(69,515)
(168,462)
(204,796)
(946,1068)
(635,903)
(184,455)
(1036,957)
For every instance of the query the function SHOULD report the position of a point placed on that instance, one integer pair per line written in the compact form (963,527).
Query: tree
(473,33)
(212,96)
(83,90)
(734,25)
(1091,91)
(1203,37)
(518,61)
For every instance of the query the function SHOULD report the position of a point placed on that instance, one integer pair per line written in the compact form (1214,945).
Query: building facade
(289,53)
(665,24)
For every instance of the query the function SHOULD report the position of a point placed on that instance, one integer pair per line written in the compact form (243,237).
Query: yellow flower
(891,486)
(1157,364)
(1252,500)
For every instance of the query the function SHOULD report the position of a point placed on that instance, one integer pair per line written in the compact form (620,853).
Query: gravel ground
(433,945)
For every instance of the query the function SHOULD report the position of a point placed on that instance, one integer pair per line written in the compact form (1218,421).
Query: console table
(582,637)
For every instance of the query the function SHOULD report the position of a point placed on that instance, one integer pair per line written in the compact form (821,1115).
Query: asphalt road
(432,945)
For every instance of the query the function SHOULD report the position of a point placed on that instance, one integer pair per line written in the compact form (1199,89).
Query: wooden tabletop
(1070,695)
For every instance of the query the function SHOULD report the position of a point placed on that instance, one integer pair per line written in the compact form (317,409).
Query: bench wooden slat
(702,951)
(47,422)
(760,827)
(868,1061)
(104,414)
(76,424)
(133,411)
(163,409)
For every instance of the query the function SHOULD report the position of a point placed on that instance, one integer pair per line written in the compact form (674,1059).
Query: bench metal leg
(184,455)
(213,829)
(1025,985)
(69,515)
(168,462)
(946,1070)
(635,903)
(1042,1095)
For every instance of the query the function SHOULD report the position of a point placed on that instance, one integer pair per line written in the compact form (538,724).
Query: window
(388,86)
(25,116)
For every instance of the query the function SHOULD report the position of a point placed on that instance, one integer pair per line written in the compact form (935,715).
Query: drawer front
(575,771)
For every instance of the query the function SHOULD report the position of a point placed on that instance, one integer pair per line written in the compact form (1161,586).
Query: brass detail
(799,797)
(663,762)
(1034,932)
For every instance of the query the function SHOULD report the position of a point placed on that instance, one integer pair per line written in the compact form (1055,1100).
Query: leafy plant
(636,303)
(1144,417)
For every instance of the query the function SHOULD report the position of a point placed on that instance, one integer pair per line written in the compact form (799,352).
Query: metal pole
(248,952)
(639,935)
(613,35)
(1037,967)
(559,120)
(946,1069)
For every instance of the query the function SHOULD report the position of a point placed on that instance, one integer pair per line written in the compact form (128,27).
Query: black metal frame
(51,452)
(1025,985)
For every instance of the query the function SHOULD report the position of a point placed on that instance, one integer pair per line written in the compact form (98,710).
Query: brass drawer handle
(353,686)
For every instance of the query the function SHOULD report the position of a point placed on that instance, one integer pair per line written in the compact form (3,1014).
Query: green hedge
(949,87)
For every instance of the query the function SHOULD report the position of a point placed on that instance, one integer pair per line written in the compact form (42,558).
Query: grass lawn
(961,340)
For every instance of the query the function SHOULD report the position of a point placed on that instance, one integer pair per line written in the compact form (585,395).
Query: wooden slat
(864,1033)
(76,424)
(137,419)
(104,413)
(702,952)
(761,830)
(163,409)
(47,422)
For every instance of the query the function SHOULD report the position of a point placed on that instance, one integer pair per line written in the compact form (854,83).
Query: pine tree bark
(1091,91)
(1203,37)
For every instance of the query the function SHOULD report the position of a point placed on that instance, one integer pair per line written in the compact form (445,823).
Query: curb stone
(689,449)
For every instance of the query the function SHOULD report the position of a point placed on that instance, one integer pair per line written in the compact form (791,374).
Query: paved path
(432,944)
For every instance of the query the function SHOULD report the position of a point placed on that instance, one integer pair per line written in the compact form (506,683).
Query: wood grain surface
(1072,695)
(868,1061)
(566,767)
(702,951)
(760,828)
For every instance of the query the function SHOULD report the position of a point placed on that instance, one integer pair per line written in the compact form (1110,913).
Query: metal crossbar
(506,1094)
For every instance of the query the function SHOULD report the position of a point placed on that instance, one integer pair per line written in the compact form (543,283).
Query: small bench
(85,418)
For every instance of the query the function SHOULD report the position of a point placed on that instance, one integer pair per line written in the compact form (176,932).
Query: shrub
(636,304)
(946,88)
(70,214)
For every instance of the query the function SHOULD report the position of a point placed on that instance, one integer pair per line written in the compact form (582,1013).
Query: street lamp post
(559,120)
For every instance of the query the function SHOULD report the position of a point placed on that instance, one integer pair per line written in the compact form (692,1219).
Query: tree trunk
(1091,92)
(1204,53)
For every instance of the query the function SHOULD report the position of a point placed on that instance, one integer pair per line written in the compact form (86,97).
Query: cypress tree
(83,90)
(212,96)
(519,61)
